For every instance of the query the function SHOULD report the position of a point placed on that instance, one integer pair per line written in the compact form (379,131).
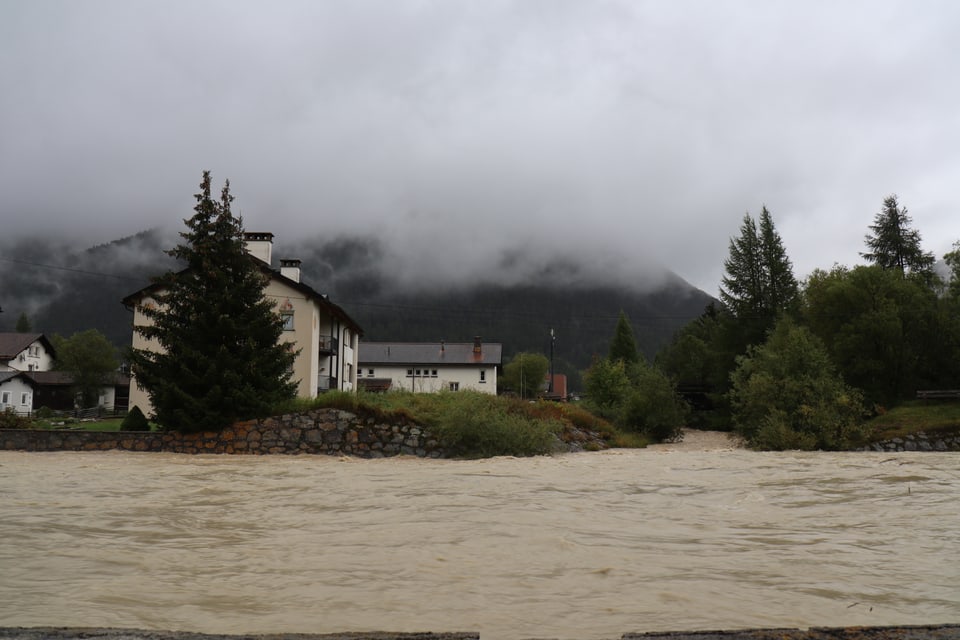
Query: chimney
(477,345)
(259,245)
(290,269)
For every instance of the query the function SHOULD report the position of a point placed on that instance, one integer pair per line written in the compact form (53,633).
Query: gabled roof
(449,353)
(309,293)
(12,344)
(10,375)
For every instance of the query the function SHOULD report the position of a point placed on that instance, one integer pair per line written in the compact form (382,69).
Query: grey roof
(9,375)
(12,344)
(451,353)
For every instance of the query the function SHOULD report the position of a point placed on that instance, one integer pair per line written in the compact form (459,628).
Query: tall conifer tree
(894,244)
(759,281)
(624,344)
(220,358)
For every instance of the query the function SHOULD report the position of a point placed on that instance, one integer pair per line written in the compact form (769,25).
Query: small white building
(25,352)
(323,332)
(16,392)
(429,367)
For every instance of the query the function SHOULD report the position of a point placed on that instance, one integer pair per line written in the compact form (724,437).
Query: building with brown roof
(25,352)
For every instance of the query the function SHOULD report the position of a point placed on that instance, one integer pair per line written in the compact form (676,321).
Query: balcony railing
(328,344)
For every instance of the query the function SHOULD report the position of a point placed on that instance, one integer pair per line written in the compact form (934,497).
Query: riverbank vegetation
(472,424)
(825,363)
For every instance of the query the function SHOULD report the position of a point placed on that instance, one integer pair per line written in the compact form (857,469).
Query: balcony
(328,344)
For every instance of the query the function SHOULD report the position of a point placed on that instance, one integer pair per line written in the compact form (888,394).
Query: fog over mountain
(516,299)
(481,140)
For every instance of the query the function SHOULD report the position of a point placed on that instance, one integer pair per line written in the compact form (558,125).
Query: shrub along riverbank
(470,424)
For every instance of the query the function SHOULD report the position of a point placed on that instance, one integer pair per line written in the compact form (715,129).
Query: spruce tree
(759,282)
(782,292)
(623,347)
(894,244)
(742,288)
(23,324)
(220,359)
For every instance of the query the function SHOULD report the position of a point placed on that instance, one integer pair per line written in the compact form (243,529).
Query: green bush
(787,395)
(478,425)
(653,408)
(44,413)
(10,420)
(135,421)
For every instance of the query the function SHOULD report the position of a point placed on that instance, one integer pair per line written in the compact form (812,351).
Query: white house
(16,392)
(429,367)
(323,332)
(25,352)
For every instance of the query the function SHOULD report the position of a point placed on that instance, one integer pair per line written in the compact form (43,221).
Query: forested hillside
(63,290)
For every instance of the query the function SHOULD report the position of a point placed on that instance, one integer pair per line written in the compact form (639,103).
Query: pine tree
(782,291)
(220,358)
(23,324)
(759,283)
(894,244)
(742,289)
(623,347)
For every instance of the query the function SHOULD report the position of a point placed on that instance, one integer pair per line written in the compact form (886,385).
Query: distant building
(559,388)
(429,367)
(25,352)
(323,332)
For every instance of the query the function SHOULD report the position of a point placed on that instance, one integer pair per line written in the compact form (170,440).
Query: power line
(71,269)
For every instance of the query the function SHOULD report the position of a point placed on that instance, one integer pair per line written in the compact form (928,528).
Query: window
(5,398)
(433,374)
(483,375)
(370,373)
(287,318)
(24,398)
(418,372)
(454,386)
(409,373)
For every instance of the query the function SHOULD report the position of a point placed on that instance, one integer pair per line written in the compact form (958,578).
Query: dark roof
(50,378)
(322,300)
(64,378)
(455,353)
(12,344)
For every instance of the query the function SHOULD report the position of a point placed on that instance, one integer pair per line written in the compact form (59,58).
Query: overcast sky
(622,131)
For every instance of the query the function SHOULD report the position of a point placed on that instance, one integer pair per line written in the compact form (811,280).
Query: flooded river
(575,546)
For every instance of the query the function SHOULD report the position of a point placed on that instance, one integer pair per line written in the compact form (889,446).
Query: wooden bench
(939,394)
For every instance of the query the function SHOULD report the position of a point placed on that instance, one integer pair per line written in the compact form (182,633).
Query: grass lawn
(106,424)
(929,416)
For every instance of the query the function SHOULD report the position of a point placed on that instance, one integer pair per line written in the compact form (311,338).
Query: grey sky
(619,131)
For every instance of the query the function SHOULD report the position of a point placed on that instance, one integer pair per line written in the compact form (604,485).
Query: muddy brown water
(700,535)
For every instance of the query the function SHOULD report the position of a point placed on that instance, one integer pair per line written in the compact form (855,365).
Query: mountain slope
(64,291)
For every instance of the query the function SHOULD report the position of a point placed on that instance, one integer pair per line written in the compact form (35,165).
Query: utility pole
(553,338)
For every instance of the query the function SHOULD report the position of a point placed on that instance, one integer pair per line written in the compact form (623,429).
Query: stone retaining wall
(918,442)
(328,431)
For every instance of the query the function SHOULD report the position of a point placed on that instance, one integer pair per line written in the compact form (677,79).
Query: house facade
(25,352)
(429,367)
(56,390)
(16,392)
(325,335)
